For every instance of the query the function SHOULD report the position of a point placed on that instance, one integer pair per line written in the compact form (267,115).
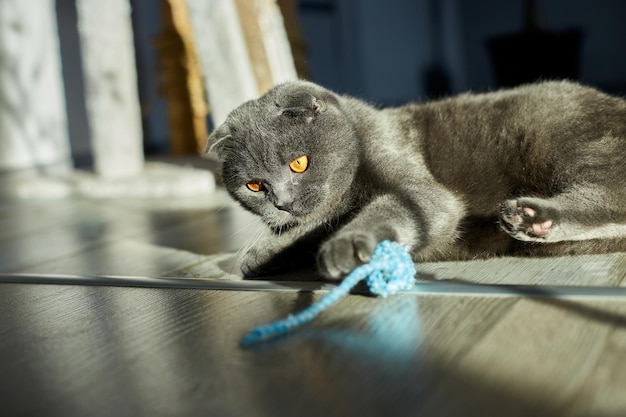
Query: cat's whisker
(252,241)
(260,235)
(247,225)
(249,244)
(246,245)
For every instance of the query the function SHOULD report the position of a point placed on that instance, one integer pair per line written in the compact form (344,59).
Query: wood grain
(105,351)
(585,270)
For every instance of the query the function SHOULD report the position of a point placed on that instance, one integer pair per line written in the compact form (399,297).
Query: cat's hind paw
(529,219)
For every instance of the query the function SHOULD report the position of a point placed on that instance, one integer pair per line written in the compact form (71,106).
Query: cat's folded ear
(216,142)
(303,104)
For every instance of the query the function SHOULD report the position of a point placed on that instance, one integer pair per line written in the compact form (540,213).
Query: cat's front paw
(251,263)
(342,253)
(529,219)
(248,265)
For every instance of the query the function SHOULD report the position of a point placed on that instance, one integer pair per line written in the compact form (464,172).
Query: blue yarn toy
(390,269)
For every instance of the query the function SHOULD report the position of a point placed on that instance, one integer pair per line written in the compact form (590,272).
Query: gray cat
(535,170)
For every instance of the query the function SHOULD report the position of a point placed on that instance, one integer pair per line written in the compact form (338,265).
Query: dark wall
(385,51)
(602,63)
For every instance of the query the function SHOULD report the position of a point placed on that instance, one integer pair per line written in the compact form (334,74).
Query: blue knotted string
(390,269)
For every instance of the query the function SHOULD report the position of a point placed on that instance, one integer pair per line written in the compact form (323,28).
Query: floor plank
(138,351)
(588,270)
(124,257)
(602,392)
(538,349)
(47,233)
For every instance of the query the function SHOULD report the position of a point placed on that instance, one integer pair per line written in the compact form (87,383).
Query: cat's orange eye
(255,186)
(299,164)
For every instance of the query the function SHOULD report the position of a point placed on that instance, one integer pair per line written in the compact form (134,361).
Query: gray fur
(535,170)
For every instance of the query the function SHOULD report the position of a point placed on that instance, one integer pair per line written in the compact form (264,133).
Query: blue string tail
(390,270)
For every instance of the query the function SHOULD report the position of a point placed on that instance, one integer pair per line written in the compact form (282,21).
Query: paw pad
(524,222)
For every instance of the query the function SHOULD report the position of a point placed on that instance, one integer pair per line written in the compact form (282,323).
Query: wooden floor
(504,337)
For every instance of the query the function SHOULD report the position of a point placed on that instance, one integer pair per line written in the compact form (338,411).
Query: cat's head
(288,156)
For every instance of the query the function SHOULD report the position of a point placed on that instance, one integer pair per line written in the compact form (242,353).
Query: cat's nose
(285,206)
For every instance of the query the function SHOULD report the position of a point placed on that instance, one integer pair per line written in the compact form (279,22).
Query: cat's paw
(529,219)
(248,265)
(342,253)
(252,263)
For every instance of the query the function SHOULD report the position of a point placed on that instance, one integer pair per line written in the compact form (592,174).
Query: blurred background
(386,52)
(393,51)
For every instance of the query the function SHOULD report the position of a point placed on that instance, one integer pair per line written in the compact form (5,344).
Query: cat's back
(547,115)
(483,144)
(540,92)
(539,105)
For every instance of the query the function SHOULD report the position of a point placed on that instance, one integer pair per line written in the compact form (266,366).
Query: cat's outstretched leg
(584,212)
(425,218)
